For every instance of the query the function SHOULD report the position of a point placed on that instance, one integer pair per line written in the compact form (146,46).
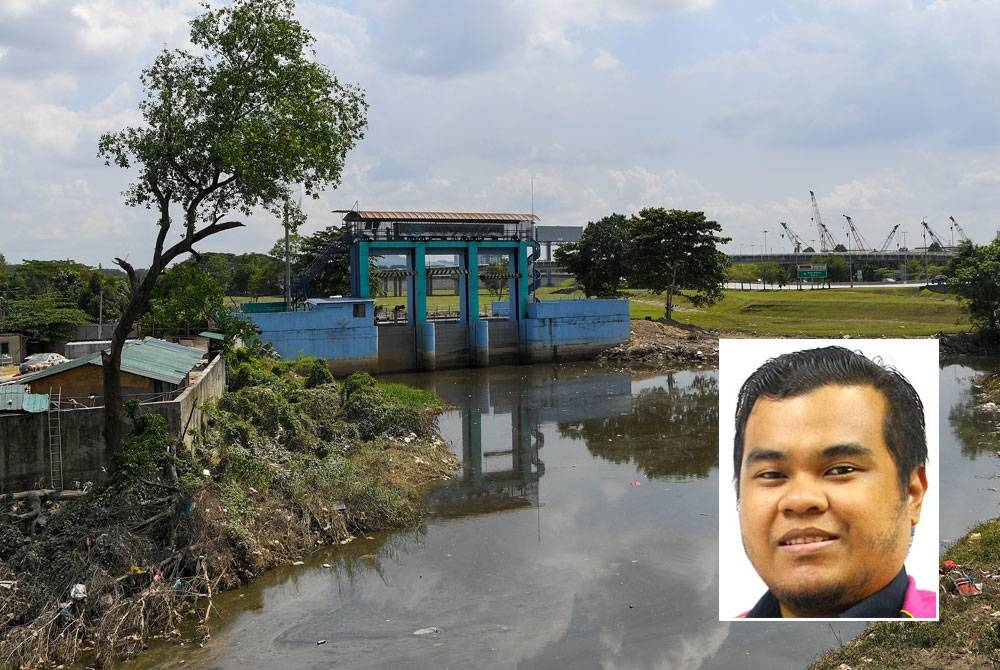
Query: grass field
(860,312)
(903,312)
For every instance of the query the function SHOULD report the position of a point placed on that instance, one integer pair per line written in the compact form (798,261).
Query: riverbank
(293,461)
(967,634)
(662,345)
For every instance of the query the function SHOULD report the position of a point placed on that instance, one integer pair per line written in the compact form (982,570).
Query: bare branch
(133,280)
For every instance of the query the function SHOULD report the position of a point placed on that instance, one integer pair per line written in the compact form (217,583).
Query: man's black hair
(800,372)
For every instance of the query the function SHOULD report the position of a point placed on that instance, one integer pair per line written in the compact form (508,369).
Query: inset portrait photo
(828,479)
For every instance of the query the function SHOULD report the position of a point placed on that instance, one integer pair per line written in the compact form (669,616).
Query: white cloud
(605,61)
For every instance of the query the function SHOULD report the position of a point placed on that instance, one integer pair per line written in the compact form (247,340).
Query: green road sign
(813,271)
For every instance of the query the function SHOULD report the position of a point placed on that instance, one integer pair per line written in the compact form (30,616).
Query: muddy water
(581,534)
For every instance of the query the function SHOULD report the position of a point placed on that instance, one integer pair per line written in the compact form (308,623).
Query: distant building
(11,348)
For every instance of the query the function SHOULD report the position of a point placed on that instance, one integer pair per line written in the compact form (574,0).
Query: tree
(600,259)
(744,273)
(836,267)
(974,272)
(227,127)
(772,273)
(496,278)
(186,294)
(676,250)
(43,318)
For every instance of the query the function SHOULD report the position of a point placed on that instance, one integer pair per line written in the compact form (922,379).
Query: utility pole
(288,262)
(765,242)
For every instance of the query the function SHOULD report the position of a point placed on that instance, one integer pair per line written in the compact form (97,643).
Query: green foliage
(744,273)
(148,447)
(187,295)
(676,251)
(599,260)
(495,278)
(44,318)
(974,275)
(378,411)
(836,267)
(318,374)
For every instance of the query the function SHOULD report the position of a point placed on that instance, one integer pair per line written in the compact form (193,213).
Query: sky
(887,109)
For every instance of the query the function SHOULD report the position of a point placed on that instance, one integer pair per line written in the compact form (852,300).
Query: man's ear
(915,491)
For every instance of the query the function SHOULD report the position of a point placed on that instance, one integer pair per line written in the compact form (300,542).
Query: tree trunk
(111,363)
(670,293)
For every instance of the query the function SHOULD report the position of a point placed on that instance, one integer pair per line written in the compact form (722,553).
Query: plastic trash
(78,592)
(427,631)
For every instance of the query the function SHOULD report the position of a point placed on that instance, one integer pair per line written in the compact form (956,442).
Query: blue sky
(888,110)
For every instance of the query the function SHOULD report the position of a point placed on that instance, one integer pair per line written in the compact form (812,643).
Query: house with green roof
(150,367)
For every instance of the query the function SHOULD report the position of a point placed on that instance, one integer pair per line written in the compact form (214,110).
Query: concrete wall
(566,329)
(396,349)
(327,330)
(184,414)
(505,342)
(452,345)
(24,438)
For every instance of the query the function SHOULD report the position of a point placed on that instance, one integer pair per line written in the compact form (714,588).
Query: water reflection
(581,569)
(973,427)
(669,432)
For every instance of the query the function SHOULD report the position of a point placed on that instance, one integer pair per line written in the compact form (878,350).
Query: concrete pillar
(480,332)
(428,346)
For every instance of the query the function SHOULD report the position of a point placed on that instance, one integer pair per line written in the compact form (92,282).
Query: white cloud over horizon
(885,109)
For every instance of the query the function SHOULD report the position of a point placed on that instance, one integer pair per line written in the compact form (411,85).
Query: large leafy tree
(677,251)
(974,276)
(44,318)
(599,259)
(226,128)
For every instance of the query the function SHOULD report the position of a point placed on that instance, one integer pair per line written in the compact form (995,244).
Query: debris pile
(660,344)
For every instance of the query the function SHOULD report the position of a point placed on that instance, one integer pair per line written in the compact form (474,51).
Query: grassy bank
(860,312)
(968,632)
(292,461)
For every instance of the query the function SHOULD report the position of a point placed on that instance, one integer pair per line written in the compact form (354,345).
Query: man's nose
(804,495)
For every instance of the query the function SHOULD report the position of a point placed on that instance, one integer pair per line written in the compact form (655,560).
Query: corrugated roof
(149,357)
(430,217)
(17,398)
(158,359)
(212,336)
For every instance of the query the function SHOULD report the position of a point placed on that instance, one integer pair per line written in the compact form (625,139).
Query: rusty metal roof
(430,217)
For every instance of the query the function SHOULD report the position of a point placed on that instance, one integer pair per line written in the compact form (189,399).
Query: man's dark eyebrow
(758,454)
(848,449)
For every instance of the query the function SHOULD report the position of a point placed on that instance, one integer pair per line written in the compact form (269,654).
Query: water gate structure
(429,271)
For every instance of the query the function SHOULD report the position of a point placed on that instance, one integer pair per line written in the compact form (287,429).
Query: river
(581,533)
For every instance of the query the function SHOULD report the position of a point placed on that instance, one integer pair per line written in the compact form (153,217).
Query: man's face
(822,515)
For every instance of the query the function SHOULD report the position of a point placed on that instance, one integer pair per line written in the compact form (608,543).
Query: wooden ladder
(55,440)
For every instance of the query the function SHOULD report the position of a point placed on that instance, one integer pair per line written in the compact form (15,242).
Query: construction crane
(797,243)
(885,245)
(961,233)
(933,235)
(859,240)
(826,241)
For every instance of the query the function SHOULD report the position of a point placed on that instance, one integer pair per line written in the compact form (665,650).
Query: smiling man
(829,457)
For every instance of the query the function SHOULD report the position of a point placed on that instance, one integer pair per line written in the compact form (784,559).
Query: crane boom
(961,233)
(796,240)
(826,241)
(885,245)
(859,240)
(930,231)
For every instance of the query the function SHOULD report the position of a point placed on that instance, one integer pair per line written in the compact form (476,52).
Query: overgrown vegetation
(291,460)
(968,632)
